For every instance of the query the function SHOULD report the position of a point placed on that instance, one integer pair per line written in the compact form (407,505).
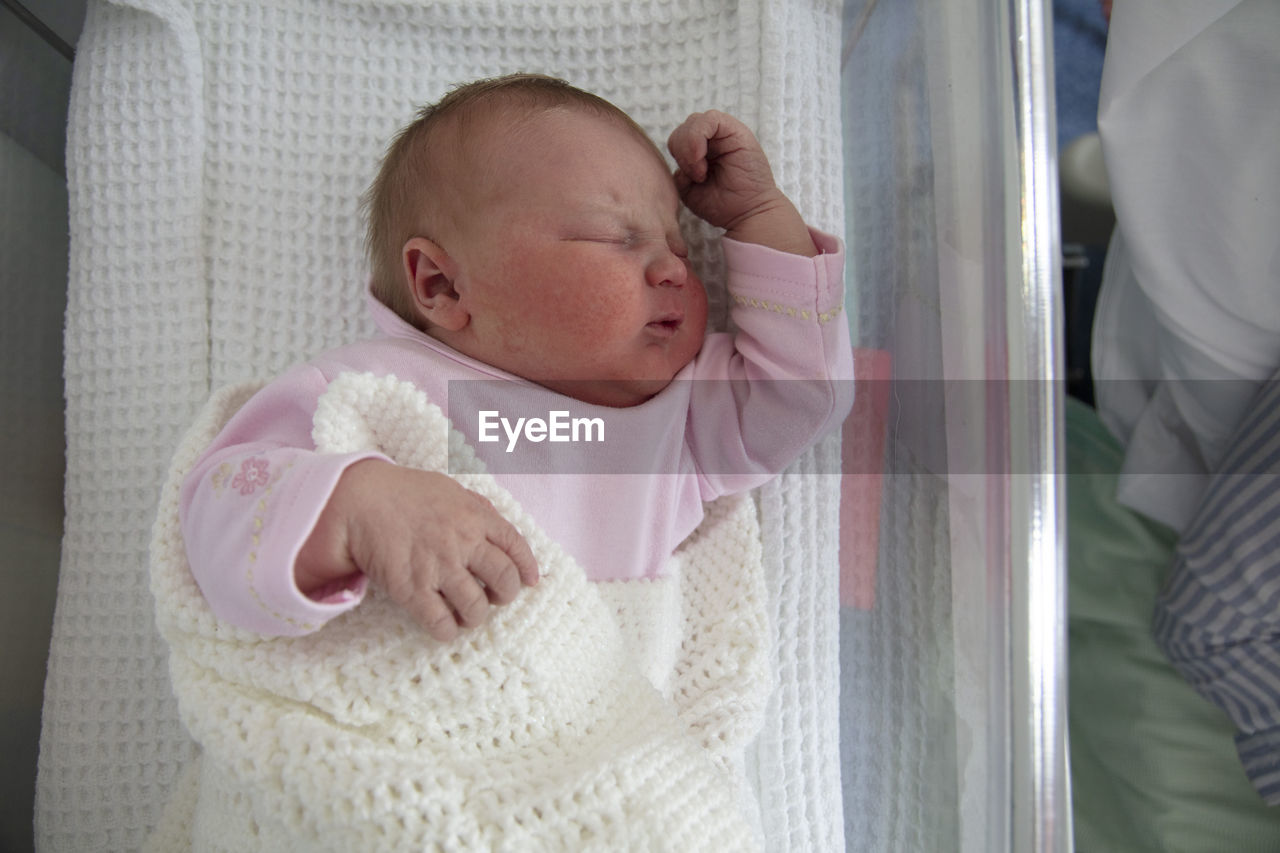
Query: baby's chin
(613,393)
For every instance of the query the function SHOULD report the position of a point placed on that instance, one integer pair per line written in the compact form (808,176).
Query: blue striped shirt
(1218,619)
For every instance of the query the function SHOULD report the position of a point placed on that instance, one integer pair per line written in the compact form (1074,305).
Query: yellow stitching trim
(258,520)
(777,308)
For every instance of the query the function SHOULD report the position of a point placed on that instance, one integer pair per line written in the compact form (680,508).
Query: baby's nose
(670,270)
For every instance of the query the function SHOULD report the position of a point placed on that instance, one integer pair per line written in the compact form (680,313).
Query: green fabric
(1153,763)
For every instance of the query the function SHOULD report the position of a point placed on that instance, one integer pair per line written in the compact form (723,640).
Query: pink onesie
(619,489)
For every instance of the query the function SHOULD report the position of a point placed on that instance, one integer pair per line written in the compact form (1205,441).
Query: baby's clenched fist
(723,176)
(438,550)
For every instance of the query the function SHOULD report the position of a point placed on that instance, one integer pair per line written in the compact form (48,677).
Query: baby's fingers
(688,145)
(706,137)
(498,573)
(433,614)
(465,597)
(504,536)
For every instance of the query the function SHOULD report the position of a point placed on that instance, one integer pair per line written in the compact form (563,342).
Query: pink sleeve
(250,503)
(785,379)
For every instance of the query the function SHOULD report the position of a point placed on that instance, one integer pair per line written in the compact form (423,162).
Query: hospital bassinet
(216,155)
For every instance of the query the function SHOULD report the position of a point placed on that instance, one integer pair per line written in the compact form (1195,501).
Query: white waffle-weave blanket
(537,731)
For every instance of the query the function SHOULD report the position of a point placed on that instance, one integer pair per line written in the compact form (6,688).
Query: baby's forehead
(474,156)
(497,121)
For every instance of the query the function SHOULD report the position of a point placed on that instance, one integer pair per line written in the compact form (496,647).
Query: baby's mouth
(666,325)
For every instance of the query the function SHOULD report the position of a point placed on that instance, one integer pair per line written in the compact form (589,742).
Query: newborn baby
(525,233)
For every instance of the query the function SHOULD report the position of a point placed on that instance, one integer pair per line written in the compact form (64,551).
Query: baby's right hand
(439,550)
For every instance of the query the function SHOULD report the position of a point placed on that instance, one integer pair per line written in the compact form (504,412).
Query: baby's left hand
(724,177)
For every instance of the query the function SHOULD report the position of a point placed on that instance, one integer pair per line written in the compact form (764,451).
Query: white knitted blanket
(216,152)
(537,731)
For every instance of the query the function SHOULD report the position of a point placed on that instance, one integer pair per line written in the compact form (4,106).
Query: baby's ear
(429,273)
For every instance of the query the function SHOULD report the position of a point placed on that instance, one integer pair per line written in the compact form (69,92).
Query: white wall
(64,17)
(33,266)
(34,81)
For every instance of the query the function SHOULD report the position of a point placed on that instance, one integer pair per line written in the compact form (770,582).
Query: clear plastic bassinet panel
(952,706)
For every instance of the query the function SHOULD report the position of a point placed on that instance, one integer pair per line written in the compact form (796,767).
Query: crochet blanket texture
(582,716)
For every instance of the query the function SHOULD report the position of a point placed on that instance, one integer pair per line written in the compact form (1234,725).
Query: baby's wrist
(777,225)
(324,558)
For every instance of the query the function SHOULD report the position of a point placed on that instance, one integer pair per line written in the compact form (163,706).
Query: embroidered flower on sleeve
(253,474)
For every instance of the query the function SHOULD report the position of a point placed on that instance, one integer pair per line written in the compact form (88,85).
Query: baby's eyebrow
(631,218)
(593,220)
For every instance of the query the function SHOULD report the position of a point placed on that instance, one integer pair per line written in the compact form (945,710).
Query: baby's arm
(783,379)
(792,345)
(724,177)
(439,550)
(280,539)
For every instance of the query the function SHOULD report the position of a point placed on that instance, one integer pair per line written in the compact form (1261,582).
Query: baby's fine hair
(401,193)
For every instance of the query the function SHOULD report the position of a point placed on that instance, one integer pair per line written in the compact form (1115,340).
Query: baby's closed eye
(629,238)
(598,236)
(616,238)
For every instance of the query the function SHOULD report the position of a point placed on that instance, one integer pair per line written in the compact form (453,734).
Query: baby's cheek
(599,335)
(695,320)
(698,299)
(692,344)
(696,307)
(603,315)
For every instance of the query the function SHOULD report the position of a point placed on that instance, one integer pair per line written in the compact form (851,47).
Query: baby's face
(571,263)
